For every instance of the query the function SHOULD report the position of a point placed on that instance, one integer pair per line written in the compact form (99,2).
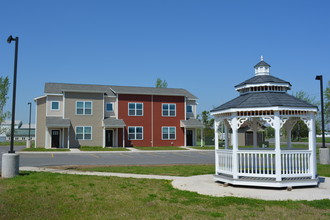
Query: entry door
(109,138)
(189,137)
(55,138)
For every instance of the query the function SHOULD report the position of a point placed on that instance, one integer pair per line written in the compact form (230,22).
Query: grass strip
(58,196)
(44,149)
(166,170)
(160,148)
(15,143)
(203,148)
(89,148)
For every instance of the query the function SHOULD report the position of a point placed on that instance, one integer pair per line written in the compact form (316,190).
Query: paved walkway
(205,185)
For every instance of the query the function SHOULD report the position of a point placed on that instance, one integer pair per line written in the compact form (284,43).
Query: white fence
(261,163)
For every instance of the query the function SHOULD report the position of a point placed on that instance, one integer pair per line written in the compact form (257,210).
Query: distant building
(5,128)
(22,133)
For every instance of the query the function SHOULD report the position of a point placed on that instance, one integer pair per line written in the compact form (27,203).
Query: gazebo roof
(260,79)
(264,99)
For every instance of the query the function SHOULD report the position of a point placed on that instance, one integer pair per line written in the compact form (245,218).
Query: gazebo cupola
(263,101)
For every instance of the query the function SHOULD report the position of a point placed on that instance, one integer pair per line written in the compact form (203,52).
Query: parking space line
(94,155)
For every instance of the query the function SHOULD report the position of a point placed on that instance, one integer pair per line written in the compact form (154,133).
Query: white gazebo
(264,100)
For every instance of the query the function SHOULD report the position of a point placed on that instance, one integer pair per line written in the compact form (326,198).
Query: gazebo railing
(261,163)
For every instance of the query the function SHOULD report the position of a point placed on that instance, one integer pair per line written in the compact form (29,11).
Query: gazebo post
(312,143)
(226,135)
(255,132)
(234,128)
(216,143)
(277,126)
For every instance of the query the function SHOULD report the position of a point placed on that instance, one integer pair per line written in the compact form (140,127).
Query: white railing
(225,161)
(296,163)
(256,163)
(261,163)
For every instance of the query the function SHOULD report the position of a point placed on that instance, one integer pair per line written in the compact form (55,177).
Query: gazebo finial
(262,58)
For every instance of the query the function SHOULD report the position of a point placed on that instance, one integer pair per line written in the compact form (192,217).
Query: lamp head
(319,77)
(10,39)
(29,103)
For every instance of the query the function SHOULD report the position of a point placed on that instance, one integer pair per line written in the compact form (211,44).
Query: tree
(161,83)
(327,104)
(300,129)
(4,85)
(208,123)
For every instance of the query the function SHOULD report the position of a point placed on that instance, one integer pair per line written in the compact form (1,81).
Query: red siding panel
(152,119)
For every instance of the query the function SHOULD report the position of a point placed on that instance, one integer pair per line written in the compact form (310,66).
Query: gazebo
(264,101)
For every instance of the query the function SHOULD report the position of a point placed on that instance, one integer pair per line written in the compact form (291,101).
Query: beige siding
(50,99)
(94,120)
(41,122)
(193,103)
(114,105)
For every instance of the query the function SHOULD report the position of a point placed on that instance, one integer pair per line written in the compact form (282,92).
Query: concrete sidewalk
(205,185)
(129,149)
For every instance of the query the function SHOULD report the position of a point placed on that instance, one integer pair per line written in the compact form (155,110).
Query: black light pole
(9,40)
(29,103)
(320,77)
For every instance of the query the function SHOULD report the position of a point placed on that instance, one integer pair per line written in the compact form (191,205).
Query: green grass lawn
(318,140)
(175,170)
(160,148)
(57,196)
(44,149)
(88,148)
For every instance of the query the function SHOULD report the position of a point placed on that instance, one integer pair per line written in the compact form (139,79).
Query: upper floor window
(135,133)
(135,109)
(168,133)
(83,108)
(83,133)
(169,109)
(189,109)
(109,107)
(55,105)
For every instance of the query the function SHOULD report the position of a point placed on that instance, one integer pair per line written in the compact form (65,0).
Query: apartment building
(74,115)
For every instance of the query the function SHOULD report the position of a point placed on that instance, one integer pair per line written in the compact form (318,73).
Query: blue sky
(206,47)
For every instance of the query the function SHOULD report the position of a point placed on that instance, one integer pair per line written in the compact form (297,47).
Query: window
(169,110)
(168,133)
(55,105)
(135,109)
(84,133)
(109,107)
(189,109)
(83,108)
(135,133)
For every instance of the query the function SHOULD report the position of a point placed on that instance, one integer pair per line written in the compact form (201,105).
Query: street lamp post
(320,77)
(29,103)
(10,160)
(324,151)
(9,40)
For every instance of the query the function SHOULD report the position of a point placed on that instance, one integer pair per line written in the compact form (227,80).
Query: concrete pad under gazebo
(264,100)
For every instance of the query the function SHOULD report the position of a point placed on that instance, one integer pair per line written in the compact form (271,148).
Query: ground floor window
(169,133)
(83,133)
(135,133)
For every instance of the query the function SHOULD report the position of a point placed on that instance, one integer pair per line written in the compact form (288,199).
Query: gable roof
(262,79)
(58,88)
(264,99)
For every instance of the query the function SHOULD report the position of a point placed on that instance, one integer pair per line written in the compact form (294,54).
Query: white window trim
(83,139)
(84,109)
(106,109)
(168,110)
(135,132)
(168,129)
(135,108)
(51,106)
